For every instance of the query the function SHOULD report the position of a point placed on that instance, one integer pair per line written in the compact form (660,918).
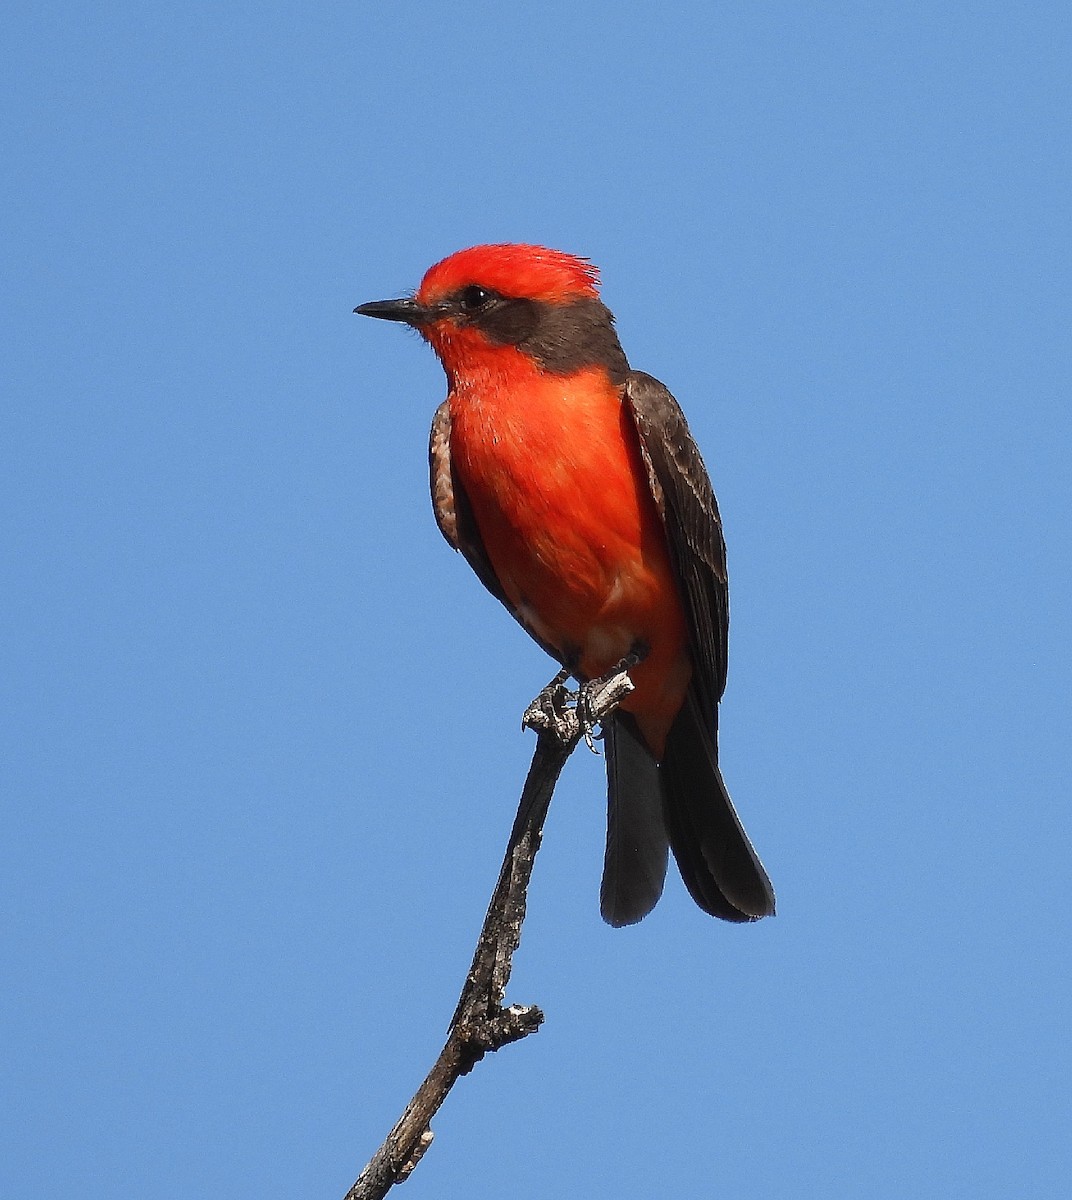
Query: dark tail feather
(718,864)
(635,865)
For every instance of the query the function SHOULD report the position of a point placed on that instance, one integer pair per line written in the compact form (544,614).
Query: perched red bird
(573,487)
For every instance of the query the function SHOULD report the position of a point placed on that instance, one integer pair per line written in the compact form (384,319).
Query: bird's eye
(475,298)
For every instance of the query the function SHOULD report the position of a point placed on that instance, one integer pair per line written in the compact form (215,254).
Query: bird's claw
(549,707)
(585,706)
(582,712)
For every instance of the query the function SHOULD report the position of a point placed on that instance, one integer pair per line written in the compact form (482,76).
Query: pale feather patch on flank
(608,643)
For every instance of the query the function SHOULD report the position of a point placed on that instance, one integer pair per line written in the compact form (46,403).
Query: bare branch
(480,1023)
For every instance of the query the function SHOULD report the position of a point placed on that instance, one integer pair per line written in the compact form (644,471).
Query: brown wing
(451,505)
(454,516)
(683,493)
(718,863)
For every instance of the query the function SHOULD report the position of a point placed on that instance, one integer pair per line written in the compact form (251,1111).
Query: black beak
(409,312)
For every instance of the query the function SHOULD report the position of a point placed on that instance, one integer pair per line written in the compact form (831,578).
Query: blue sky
(261,747)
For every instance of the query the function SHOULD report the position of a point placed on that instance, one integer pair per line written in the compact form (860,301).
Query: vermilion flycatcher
(573,487)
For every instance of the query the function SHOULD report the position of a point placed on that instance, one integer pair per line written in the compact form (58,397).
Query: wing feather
(682,490)
(454,516)
(718,863)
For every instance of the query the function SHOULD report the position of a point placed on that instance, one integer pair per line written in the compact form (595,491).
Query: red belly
(560,495)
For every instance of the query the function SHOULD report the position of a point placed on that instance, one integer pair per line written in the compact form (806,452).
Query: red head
(511,308)
(531,272)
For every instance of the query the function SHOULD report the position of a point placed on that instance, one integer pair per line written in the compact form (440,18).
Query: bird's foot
(551,706)
(570,714)
(600,696)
